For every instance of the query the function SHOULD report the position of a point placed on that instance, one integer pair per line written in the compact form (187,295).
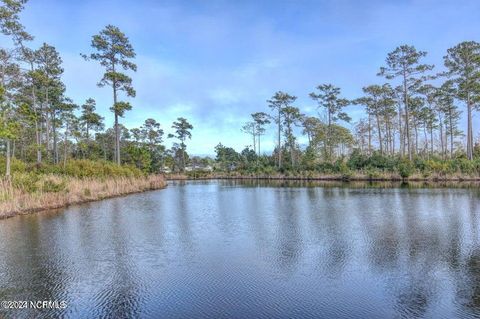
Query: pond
(233,249)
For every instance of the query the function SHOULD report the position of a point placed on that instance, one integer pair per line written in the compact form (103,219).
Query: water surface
(226,249)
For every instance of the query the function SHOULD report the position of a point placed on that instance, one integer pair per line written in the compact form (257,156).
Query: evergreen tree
(250,129)
(278,103)
(310,125)
(451,114)
(182,132)
(114,52)
(463,64)
(10,81)
(153,133)
(261,119)
(291,117)
(89,119)
(404,63)
(48,73)
(329,98)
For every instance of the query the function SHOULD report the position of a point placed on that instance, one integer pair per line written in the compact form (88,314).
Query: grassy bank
(38,188)
(357,167)
(345,176)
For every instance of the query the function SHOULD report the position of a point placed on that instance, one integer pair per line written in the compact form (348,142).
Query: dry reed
(15,201)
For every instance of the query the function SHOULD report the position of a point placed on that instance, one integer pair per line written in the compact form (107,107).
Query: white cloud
(216,62)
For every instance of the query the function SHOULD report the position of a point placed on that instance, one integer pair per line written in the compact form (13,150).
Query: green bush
(373,173)
(26,181)
(87,168)
(380,161)
(420,164)
(405,169)
(325,167)
(468,167)
(16,166)
(52,186)
(357,160)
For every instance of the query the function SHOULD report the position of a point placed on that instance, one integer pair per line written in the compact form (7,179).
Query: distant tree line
(412,114)
(415,114)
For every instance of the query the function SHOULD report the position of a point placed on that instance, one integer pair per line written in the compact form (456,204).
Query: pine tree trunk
(442,146)
(369,134)
(400,130)
(380,141)
(469,130)
(259,145)
(183,157)
(292,155)
(117,129)
(426,139)
(37,129)
(279,139)
(431,140)
(55,147)
(34,106)
(387,136)
(65,143)
(407,125)
(47,125)
(451,136)
(392,134)
(87,136)
(329,134)
(7,155)
(415,128)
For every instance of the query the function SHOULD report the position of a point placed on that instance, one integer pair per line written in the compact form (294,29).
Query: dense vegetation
(33,187)
(411,123)
(40,124)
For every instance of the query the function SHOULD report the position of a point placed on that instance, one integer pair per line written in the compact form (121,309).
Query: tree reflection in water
(253,249)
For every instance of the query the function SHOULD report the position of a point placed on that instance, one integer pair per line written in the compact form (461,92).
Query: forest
(411,123)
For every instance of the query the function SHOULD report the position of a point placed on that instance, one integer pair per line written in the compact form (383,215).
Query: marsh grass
(25,194)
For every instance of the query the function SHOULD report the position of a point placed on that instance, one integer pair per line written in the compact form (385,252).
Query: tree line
(415,113)
(39,123)
(412,113)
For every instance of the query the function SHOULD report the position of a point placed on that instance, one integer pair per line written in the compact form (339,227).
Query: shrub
(87,168)
(357,160)
(373,173)
(26,182)
(405,168)
(87,192)
(51,185)
(420,164)
(325,167)
(16,166)
(380,161)
(468,167)
(342,168)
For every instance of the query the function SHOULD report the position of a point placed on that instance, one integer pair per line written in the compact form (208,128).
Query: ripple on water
(220,249)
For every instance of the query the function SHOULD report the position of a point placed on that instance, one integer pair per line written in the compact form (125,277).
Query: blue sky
(215,62)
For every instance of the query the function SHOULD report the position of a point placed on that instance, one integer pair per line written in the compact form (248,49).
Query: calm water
(223,249)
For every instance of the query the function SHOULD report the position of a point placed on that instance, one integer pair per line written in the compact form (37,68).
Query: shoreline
(335,178)
(79,191)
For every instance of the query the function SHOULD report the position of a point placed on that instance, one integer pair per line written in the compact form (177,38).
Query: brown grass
(14,201)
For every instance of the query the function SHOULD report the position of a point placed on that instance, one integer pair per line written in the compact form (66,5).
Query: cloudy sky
(215,62)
